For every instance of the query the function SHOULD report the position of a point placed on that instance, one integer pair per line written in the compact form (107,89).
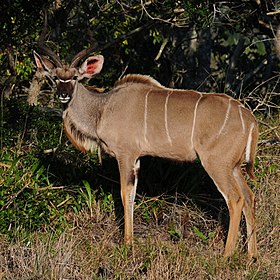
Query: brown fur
(141,117)
(95,89)
(80,140)
(138,79)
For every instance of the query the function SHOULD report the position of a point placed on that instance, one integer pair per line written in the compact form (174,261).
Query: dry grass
(166,245)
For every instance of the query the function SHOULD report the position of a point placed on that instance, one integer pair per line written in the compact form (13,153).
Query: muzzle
(64,97)
(65,91)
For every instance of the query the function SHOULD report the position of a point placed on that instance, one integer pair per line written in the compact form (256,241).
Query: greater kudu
(141,117)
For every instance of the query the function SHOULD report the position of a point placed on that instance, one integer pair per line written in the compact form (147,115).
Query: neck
(82,117)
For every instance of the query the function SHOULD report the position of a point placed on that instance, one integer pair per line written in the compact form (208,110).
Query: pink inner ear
(91,66)
(38,63)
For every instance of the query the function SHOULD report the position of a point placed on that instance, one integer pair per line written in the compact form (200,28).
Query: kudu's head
(67,75)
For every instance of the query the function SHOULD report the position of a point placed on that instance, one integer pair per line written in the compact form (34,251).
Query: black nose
(63,94)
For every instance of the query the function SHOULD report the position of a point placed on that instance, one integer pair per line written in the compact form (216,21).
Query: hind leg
(223,178)
(248,211)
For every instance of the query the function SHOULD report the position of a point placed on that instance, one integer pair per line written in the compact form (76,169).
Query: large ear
(91,66)
(44,65)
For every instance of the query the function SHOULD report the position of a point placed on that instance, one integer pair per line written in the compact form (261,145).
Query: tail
(250,170)
(251,148)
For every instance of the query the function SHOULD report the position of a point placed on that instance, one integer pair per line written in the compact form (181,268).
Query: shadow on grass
(157,177)
(67,167)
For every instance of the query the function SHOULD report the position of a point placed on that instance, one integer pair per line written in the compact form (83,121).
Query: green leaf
(199,234)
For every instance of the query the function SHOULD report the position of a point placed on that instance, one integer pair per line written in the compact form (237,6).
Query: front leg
(129,178)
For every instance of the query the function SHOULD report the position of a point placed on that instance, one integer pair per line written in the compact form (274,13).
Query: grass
(61,211)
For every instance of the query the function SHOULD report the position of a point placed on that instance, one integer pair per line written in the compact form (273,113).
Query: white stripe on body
(166,118)
(241,118)
(194,118)
(226,118)
(146,115)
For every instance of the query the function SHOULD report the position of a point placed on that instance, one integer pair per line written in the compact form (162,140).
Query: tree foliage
(206,45)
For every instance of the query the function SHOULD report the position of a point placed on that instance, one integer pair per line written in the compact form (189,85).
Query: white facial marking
(65,81)
(165,118)
(194,118)
(64,99)
(226,117)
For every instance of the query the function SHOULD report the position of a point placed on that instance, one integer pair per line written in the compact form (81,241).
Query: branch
(164,43)
(34,89)
(273,13)
(277,42)
(122,37)
(171,21)
(251,74)
(43,35)
(234,63)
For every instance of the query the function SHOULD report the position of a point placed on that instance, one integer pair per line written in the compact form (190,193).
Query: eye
(55,81)
(75,78)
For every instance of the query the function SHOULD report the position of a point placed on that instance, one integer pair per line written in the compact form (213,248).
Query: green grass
(60,211)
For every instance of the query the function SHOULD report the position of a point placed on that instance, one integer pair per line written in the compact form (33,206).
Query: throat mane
(79,139)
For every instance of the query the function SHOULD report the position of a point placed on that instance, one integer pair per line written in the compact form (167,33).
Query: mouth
(64,99)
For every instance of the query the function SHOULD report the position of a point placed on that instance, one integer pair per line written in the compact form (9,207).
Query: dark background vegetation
(207,45)
(211,46)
